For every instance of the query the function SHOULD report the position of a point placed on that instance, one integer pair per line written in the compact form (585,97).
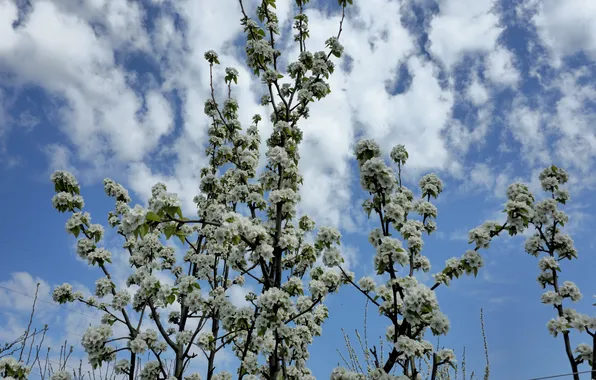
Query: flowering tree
(246,227)
(247,231)
(548,239)
(411,307)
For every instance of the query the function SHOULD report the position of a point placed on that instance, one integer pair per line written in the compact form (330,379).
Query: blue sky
(483,93)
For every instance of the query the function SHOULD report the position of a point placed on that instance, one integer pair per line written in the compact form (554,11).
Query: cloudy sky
(481,92)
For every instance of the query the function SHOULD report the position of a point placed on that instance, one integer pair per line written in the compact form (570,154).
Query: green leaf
(169,231)
(171,298)
(152,216)
(171,211)
(143,230)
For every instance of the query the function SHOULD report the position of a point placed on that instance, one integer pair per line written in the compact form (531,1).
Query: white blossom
(61,375)
(367,284)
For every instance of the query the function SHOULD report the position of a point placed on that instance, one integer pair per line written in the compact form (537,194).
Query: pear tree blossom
(247,231)
(11,368)
(410,306)
(246,227)
(553,246)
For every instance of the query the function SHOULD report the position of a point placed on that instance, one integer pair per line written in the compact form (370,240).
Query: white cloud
(573,121)
(566,27)
(58,50)
(59,157)
(463,27)
(477,92)
(472,27)
(488,179)
(415,118)
(500,67)
(462,135)
(481,175)
(350,255)
(25,283)
(558,132)
(238,295)
(526,126)
(12,329)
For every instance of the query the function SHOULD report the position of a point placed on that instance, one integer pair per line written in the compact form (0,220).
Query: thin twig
(487,368)
(30,321)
